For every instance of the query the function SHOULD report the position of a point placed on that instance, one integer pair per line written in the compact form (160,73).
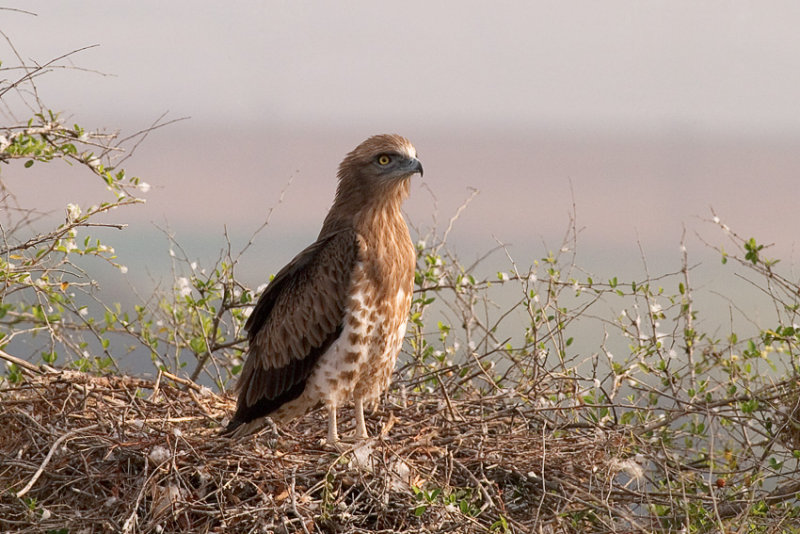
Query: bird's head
(373,178)
(380,160)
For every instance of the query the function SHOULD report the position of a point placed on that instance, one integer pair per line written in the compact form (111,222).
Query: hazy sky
(649,111)
(715,65)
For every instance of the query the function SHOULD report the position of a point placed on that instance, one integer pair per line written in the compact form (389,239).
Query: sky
(613,65)
(638,117)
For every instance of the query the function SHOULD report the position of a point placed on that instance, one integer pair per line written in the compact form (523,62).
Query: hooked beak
(414,165)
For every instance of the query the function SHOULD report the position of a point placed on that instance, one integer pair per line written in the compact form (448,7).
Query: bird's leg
(361,427)
(333,433)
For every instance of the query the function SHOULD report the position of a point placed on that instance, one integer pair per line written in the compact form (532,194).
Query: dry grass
(84,453)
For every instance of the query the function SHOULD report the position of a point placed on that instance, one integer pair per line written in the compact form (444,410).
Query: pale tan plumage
(330,324)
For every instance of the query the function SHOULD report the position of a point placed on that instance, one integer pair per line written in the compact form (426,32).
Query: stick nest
(83,453)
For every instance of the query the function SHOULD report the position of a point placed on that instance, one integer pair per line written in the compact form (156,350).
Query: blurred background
(643,115)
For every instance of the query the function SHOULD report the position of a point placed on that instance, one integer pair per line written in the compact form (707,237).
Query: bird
(329,326)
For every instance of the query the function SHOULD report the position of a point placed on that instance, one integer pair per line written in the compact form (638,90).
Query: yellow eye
(383,159)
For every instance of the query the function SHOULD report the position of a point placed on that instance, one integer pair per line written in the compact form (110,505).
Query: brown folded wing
(295,320)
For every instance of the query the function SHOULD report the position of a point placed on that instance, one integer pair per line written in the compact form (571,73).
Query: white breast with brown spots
(359,364)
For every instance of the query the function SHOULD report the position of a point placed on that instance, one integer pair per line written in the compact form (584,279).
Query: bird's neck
(368,211)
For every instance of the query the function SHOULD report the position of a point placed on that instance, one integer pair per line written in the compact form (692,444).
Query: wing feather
(295,320)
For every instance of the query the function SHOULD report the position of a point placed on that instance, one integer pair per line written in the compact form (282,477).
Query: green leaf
(199,345)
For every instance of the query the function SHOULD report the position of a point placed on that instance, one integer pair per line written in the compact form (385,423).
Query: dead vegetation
(87,453)
(84,453)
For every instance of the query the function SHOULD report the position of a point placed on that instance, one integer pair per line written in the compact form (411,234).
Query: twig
(486,497)
(293,501)
(55,446)
(39,68)
(37,369)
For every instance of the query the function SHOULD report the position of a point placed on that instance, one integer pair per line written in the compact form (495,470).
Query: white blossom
(184,287)
(73,211)
(123,269)
(144,187)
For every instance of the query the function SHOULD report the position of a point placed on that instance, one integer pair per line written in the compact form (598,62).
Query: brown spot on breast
(351,357)
(353,321)
(355,305)
(333,382)
(349,376)
(355,339)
